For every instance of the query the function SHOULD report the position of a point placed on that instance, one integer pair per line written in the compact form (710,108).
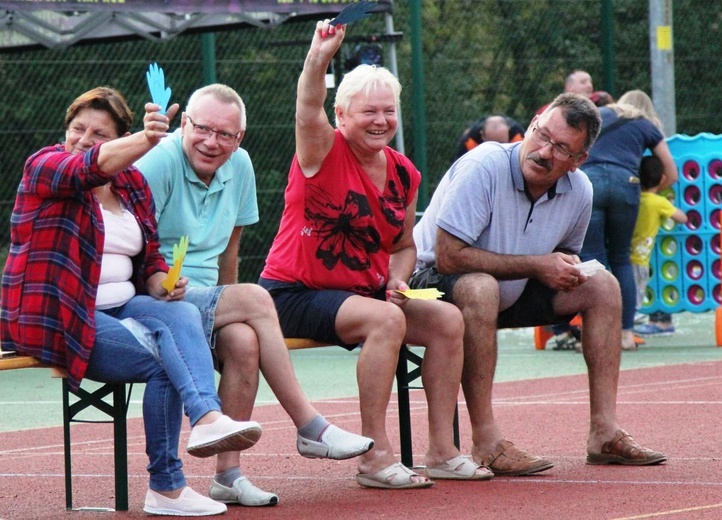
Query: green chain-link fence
(479,56)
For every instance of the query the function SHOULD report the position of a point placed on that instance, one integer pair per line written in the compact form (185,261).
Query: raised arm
(314,133)
(119,154)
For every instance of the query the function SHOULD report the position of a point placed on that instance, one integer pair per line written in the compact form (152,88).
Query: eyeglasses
(559,151)
(206,131)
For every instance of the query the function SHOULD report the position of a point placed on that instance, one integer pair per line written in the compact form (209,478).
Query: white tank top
(123,240)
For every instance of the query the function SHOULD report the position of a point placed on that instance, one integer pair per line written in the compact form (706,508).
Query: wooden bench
(116,410)
(408,370)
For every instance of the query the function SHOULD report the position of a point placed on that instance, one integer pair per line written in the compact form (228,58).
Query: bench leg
(404,378)
(402,388)
(66,446)
(117,412)
(120,449)
(457,442)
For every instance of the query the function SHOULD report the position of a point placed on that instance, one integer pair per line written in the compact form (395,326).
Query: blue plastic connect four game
(685,265)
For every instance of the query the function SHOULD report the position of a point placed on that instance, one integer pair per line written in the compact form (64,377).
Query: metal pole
(394,68)
(208,48)
(608,57)
(417,87)
(662,54)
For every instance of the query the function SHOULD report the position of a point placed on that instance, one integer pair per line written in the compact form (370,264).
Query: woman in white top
(82,289)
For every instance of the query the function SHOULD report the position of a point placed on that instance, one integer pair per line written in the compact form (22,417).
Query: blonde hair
(625,111)
(362,79)
(640,102)
(222,93)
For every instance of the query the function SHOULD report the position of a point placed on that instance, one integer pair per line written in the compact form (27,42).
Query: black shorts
(533,308)
(308,313)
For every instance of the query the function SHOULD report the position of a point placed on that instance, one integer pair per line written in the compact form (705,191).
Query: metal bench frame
(408,370)
(116,410)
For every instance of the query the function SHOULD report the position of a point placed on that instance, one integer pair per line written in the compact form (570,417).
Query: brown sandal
(509,461)
(623,449)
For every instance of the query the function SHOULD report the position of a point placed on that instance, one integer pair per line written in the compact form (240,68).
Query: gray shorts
(206,299)
(641,278)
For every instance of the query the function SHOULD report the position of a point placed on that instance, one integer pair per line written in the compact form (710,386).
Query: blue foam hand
(354,12)
(156,85)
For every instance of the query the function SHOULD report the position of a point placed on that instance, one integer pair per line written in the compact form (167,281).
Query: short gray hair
(579,113)
(362,79)
(222,93)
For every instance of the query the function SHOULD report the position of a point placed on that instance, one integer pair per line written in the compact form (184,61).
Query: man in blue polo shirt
(203,186)
(500,239)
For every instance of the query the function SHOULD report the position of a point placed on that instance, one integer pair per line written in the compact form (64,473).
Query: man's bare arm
(556,270)
(228,259)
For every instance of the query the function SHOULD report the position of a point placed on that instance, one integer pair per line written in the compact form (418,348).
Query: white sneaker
(189,503)
(242,492)
(223,434)
(335,444)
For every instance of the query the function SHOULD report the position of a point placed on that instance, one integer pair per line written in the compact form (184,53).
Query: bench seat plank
(13,362)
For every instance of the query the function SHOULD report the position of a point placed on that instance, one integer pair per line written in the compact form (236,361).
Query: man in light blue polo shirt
(500,239)
(204,187)
(209,213)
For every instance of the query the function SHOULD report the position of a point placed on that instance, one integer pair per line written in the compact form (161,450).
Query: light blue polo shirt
(481,201)
(207,214)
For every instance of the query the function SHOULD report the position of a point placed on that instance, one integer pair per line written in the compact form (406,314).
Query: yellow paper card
(179,255)
(422,294)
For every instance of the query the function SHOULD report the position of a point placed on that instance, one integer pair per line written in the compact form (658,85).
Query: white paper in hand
(590,267)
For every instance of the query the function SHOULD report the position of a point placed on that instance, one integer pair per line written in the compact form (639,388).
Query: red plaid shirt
(56,244)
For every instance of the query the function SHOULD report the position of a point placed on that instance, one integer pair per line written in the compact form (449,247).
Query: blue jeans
(177,370)
(609,236)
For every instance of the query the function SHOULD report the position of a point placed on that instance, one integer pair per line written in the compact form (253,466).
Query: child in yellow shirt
(654,209)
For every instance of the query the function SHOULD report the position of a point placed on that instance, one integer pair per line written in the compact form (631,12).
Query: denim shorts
(307,313)
(206,299)
(533,308)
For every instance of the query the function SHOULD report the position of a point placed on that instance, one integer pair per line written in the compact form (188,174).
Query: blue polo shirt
(207,214)
(481,201)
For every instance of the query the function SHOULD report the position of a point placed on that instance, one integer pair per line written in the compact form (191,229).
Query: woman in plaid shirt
(82,290)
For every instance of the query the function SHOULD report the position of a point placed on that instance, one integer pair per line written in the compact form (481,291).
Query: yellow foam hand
(179,255)
(422,294)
